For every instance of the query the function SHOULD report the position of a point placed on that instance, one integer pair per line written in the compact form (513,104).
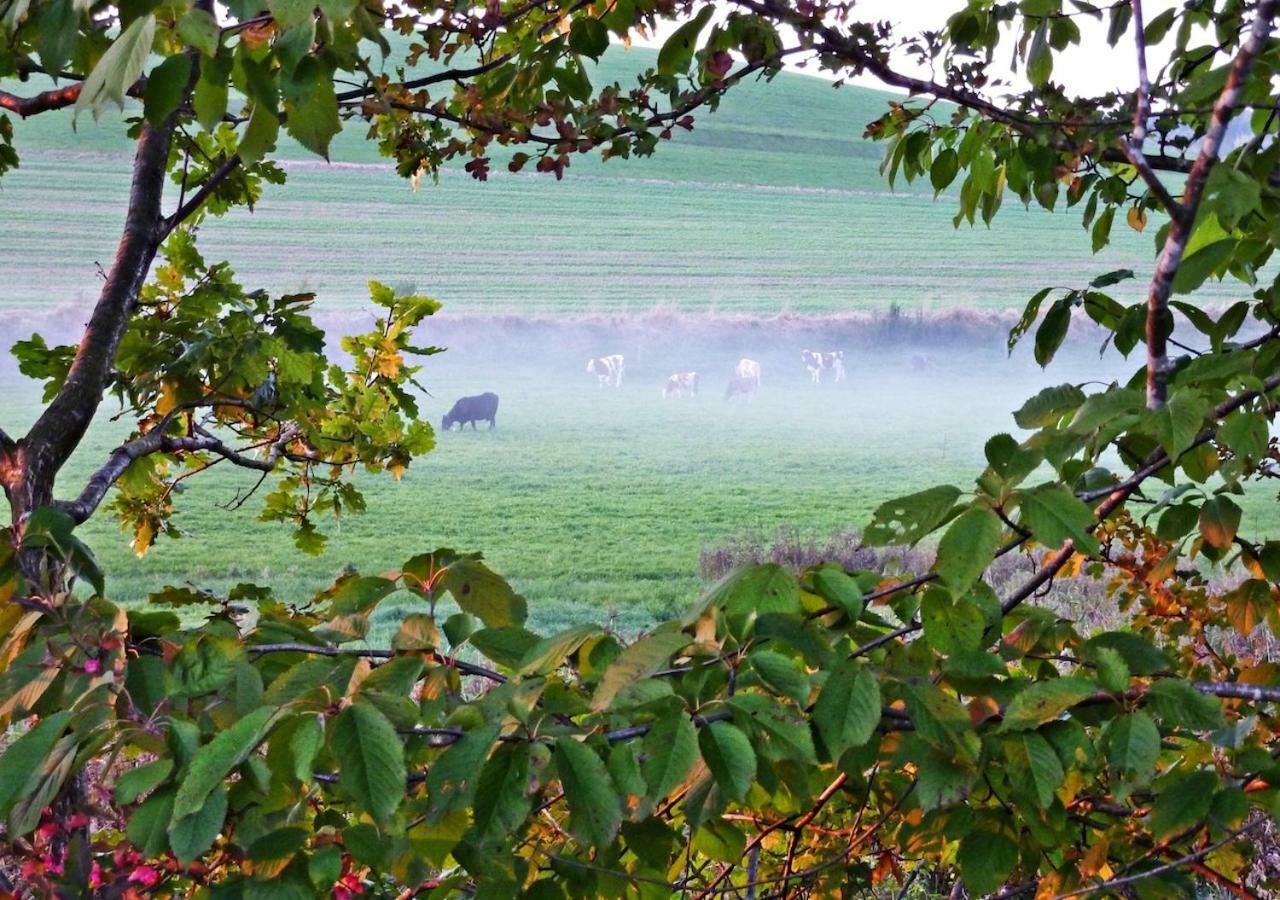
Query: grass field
(598,503)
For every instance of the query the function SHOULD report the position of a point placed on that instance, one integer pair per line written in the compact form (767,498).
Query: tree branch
(1133,147)
(1175,245)
(63,422)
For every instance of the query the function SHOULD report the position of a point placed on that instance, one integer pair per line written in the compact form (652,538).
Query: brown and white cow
(818,362)
(742,386)
(747,368)
(681,383)
(607,369)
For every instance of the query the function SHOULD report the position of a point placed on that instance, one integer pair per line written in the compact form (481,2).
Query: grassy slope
(772,203)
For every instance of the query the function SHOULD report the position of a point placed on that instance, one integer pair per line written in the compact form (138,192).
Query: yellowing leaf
(1137,218)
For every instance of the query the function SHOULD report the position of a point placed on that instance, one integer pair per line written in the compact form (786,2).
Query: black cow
(472,409)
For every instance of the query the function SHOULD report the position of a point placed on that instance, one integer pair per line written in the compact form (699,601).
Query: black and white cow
(748,368)
(480,408)
(817,363)
(681,383)
(607,369)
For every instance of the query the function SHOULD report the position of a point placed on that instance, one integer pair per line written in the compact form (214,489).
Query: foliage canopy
(805,734)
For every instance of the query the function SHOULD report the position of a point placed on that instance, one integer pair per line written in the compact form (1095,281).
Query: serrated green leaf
(1034,767)
(1178,704)
(967,548)
(646,656)
(677,51)
(501,803)
(139,780)
(165,87)
(119,67)
(848,709)
(670,752)
(908,519)
(1045,700)
(1054,515)
(781,674)
(214,761)
(730,757)
(594,810)
(1133,745)
(25,755)
(370,760)
(1182,803)
(453,779)
(190,836)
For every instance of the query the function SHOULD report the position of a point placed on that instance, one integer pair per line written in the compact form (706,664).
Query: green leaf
(288,13)
(505,646)
(781,675)
(1034,767)
(165,86)
(204,666)
(190,836)
(551,653)
(1219,521)
(199,29)
(209,99)
(728,754)
(588,36)
(908,519)
(1048,406)
(501,804)
(311,106)
(848,708)
(1053,330)
(1247,434)
(986,860)
(148,827)
(484,594)
(1176,424)
(943,170)
(1142,656)
(452,781)
(670,752)
(1183,803)
(1179,705)
(941,721)
(951,627)
(1114,277)
(1133,745)
(646,656)
(358,594)
(214,761)
(139,780)
(840,590)
(677,53)
(25,756)
(1054,515)
(59,34)
(370,760)
(967,548)
(1039,57)
(260,139)
(595,812)
(755,591)
(1045,700)
(119,67)
(785,727)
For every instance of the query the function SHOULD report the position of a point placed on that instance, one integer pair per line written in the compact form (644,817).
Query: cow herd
(743,382)
(607,370)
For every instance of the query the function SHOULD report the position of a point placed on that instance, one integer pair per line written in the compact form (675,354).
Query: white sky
(1092,67)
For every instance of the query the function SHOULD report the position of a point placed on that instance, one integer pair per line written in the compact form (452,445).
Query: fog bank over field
(597,503)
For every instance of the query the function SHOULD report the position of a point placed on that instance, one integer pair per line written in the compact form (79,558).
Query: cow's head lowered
(447,422)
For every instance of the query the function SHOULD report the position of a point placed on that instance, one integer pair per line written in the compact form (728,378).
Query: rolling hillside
(774,203)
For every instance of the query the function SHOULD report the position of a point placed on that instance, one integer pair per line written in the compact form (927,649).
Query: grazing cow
(747,368)
(818,362)
(479,408)
(742,386)
(607,369)
(681,383)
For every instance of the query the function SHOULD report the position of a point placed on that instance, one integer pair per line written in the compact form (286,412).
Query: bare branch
(196,200)
(1133,148)
(1175,245)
